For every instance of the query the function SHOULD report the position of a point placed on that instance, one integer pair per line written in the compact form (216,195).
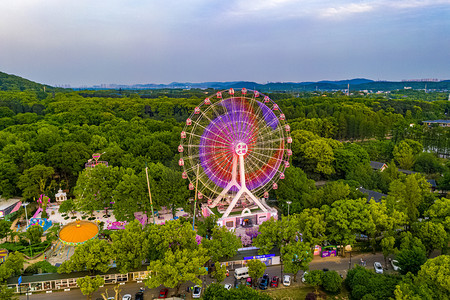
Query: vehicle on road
(196,292)
(394,264)
(249,281)
(275,281)
(264,282)
(127,297)
(378,267)
(163,293)
(303,277)
(240,273)
(227,286)
(139,296)
(286,280)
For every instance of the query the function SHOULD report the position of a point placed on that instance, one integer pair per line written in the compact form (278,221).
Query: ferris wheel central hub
(241,149)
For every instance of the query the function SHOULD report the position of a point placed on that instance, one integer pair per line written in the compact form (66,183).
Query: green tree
(14,263)
(432,235)
(332,282)
(131,186)
(7,293)
(205,227)
(223,243)
(173,191)
(297,188)
(88,285)
(177,267)
(428,163)
(314,279)
(411,259)
(313,226)
(67,206)
(436,273)
(93,256)
(174,235)
(220,272)
(405,152)
(5,229)
(388,246)
(95,187)
(9,174)
(36,180)
(409,193)
(346,218)
(34,234)
(129,247)
(216,291)
(439,212)
(296,256)
(318,157)
(256,269)
(349,158)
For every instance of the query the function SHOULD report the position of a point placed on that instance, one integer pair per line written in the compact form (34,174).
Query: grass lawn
(300,292)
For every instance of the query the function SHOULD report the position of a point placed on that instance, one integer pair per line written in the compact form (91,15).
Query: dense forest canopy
(57,131)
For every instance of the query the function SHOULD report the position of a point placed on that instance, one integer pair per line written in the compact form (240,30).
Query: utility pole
(149,193)
(195,197)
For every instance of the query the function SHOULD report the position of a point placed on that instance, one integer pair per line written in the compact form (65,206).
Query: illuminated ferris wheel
(236,146)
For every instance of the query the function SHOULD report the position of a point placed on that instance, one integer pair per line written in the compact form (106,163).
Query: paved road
(341,265)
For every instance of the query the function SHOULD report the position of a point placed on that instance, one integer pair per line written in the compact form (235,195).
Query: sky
(90,42)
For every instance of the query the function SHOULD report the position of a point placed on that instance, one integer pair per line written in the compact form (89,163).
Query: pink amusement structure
(234,148)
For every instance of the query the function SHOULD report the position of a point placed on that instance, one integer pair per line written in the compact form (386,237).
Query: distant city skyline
(87,43)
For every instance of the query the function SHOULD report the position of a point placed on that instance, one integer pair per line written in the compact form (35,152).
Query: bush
(332,282)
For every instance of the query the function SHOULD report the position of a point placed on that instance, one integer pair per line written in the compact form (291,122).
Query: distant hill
(15,83)
(356,84)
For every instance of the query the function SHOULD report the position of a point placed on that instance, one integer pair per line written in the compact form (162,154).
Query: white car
(196,292)
(394,264)
(286,280)
(303,277)
(126,297)
(378,267)
(227,286)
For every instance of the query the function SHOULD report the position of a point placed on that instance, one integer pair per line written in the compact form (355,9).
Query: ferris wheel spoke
(264,162)
(210,139)
(220,116)
(206,129)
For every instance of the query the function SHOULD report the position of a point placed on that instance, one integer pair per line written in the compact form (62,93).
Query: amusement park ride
(234,148)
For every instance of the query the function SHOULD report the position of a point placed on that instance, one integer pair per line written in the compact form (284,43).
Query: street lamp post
(26,214)
(288,203)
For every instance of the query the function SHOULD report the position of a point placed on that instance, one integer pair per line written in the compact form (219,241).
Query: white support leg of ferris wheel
(232,183)
(243,189)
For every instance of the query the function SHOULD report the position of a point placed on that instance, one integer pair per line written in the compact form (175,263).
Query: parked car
(139,296)
(163,293)
(249,281)
(127,297)
(264,282)
(394,264)
(378,268)
(286,280)
(227,286)
(303,276)
(275,281)
(196,292)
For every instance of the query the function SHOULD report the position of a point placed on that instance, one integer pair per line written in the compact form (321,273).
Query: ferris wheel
(234,146)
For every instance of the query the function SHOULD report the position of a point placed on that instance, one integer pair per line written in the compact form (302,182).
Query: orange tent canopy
(78,232)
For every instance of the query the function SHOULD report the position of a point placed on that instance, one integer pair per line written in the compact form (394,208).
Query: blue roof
(437,121)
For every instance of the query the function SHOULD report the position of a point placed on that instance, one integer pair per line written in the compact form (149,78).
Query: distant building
(378,166)
(8,206)
(372,194)
(60,197)
(442,123)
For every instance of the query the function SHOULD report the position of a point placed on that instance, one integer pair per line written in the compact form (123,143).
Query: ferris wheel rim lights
(235,123)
